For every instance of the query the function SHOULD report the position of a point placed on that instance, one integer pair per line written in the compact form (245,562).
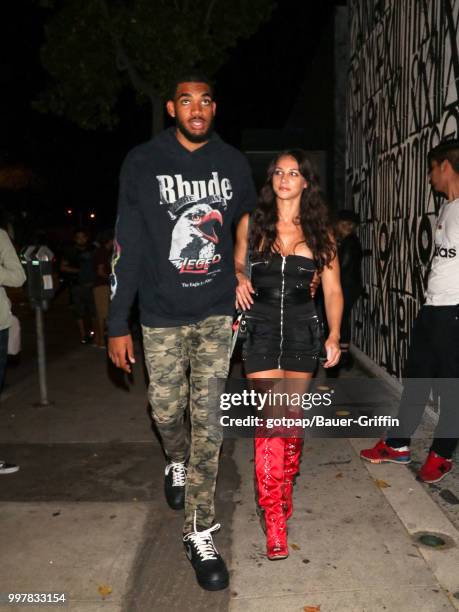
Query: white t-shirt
(443,283)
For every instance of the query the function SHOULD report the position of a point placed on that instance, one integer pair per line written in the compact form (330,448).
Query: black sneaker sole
(176,506)
(213,586)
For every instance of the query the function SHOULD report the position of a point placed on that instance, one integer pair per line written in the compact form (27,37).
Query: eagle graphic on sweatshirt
(195,236)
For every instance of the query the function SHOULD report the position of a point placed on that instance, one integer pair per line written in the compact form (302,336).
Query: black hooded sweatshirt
(174,240)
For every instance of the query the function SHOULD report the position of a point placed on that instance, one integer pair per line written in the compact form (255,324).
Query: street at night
(229,305)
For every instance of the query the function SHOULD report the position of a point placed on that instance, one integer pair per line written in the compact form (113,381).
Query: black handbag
(239,330)
(240,322)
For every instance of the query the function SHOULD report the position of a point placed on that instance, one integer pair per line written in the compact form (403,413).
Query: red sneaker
(435,468)
(382,453)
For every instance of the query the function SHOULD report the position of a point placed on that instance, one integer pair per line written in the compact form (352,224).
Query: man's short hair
(447,149)
(189,77)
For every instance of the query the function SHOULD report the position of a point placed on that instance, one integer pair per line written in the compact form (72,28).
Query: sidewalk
(349,550)
(85,515)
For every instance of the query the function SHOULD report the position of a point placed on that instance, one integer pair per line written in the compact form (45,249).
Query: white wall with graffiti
(403,98)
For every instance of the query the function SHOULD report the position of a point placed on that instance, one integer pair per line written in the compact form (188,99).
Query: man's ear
(214,108)
(170,107)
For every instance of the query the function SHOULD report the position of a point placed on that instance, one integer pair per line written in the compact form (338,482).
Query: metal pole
(41,356)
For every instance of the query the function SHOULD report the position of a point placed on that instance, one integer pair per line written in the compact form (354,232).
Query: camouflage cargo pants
(203,347)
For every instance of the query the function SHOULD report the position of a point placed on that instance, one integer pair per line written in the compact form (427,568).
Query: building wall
(341,62)
(402,100)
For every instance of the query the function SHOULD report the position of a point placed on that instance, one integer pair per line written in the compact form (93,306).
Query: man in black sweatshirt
(179,197)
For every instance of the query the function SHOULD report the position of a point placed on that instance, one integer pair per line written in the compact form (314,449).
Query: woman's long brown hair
(314,216)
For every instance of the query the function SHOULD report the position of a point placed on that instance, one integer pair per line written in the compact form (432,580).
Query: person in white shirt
(11,275)
(434,348)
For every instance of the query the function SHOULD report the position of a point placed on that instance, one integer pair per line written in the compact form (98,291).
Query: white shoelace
(178,473)
(203,541)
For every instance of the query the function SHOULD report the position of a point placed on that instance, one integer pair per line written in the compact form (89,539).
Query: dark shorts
(82,301)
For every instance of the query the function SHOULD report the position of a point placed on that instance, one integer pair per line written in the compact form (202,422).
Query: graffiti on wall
(403,95)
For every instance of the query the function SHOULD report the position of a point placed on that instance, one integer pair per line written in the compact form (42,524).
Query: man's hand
(314,284)
(121,352)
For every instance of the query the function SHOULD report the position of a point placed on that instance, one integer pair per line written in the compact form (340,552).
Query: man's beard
(195,138)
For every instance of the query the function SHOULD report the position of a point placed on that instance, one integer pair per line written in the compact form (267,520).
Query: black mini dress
(283,329)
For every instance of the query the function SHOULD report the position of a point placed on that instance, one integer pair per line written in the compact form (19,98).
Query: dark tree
(94,49)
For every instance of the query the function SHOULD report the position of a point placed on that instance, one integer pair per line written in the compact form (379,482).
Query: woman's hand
(333,352)
(314,284)
(244,291)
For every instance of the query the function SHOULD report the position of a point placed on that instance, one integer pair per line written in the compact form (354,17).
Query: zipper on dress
(281,314)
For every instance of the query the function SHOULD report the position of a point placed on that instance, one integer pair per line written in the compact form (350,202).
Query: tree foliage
(95,48)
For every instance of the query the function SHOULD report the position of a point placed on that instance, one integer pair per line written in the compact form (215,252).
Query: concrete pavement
(86,515)
(348,548)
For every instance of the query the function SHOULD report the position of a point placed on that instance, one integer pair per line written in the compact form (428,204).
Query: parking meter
(38,265)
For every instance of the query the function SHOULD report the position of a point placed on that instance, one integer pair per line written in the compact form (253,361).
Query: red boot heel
(276,534)
(269,471)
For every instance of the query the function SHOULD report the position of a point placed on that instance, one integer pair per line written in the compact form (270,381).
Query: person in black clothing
(288,239)
(101,292)
(180,195)
(77,265)
(350,261)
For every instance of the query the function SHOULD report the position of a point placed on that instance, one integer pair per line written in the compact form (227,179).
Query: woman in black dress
(288,238)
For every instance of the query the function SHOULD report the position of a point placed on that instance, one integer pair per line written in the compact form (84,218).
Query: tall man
(179,196)
(434,349)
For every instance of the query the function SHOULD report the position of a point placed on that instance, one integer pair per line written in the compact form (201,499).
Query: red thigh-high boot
(269,471)
(292,455)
